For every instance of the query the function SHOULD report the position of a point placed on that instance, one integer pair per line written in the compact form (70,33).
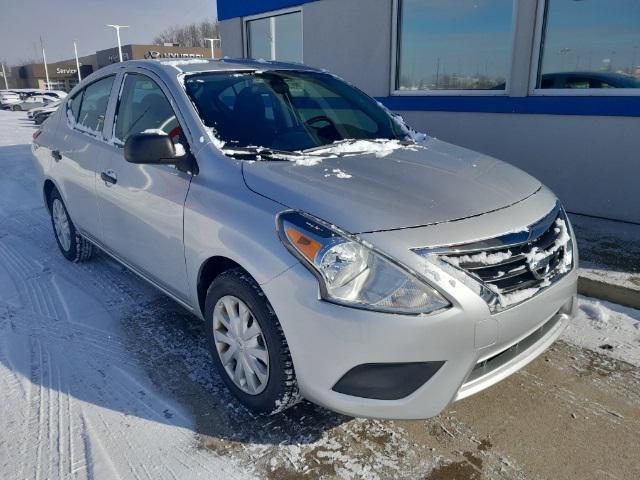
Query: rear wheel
(74,247)
(16,108)
(248,345)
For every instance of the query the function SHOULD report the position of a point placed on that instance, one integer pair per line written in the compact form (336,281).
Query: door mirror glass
(150,148)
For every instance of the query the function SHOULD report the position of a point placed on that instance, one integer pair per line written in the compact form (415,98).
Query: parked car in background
(582,80)
(59,94)
(33,101)
(333,252)
(27,92)
(8,98)
(45,112)
(35,111)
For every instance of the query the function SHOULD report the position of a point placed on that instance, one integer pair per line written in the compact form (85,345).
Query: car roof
(199,65)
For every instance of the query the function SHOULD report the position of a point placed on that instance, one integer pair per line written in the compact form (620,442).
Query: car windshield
(287,110)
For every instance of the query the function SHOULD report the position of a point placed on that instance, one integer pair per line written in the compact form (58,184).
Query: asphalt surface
(571,414)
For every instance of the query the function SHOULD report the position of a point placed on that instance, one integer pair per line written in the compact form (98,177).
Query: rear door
(79,149)
(141,206)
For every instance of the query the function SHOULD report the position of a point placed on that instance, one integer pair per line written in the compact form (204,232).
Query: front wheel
(73,246)
(248,345)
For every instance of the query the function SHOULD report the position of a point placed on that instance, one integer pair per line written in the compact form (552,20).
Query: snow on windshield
(302,116)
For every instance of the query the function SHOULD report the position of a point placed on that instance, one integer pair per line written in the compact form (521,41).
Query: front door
(141,206)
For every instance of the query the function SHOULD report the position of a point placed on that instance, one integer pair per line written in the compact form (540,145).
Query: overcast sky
(61,21)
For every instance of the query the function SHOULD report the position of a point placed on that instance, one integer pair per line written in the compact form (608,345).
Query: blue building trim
(612,106)
(241,8)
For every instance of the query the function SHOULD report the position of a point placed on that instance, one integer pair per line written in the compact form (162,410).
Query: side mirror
(150,148)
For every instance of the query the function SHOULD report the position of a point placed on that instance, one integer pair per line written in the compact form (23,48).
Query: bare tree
(191,35)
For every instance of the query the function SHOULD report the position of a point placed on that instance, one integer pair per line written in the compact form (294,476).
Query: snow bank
(606,328)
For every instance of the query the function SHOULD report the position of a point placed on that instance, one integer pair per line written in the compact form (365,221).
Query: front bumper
(326,341)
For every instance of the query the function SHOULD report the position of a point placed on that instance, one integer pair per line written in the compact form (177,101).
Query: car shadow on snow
(96,333)
(171,345)
(114,341)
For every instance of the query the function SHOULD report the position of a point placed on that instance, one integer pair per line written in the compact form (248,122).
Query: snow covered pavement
(606,327)
(103,377)
(75,402)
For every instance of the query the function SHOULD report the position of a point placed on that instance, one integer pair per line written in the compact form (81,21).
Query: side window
(94,105)
(73,106)
(143,107)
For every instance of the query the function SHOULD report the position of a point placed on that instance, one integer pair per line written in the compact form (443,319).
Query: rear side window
(143,107)
(93,107)
(73,106)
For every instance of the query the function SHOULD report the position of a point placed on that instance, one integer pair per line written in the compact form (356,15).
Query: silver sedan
(334,253)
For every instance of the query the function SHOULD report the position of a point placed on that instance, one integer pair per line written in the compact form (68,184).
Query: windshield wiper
(258,153)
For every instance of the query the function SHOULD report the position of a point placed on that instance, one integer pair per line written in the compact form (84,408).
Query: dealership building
(551,86)
(64,75)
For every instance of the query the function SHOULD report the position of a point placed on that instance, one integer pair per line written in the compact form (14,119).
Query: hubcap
(61,225)
(240,345)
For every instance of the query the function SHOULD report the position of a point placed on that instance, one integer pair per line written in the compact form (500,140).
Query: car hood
(407,187)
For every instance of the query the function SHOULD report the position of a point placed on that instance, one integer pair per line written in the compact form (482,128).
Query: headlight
(353,274)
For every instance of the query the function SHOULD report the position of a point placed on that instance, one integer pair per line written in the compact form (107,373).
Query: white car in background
(34,101)
(9,98)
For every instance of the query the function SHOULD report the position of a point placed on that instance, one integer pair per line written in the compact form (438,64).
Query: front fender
(223,218)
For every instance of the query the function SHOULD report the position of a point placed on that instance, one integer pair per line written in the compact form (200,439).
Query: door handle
(56,155)
(109,177)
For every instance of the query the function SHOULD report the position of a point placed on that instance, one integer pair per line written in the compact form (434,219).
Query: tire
(280,391)
(16,108)
(75,248)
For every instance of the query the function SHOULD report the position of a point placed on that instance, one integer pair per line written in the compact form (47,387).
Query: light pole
(46,68)
(211,42)
(75,50)
(118,27)
(4,75)
(272,33)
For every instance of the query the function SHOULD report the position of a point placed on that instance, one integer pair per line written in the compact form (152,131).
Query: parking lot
(103,377)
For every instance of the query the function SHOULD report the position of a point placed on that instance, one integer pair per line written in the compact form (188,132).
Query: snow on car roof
(193,65)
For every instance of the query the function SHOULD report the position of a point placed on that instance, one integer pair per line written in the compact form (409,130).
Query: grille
(518,265)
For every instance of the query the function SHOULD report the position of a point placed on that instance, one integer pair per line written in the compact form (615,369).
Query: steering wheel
(318,119)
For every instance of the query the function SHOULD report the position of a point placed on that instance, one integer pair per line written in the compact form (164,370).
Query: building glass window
(462,45)
(57,85)
(590,44)
(72,83)
(277,37)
